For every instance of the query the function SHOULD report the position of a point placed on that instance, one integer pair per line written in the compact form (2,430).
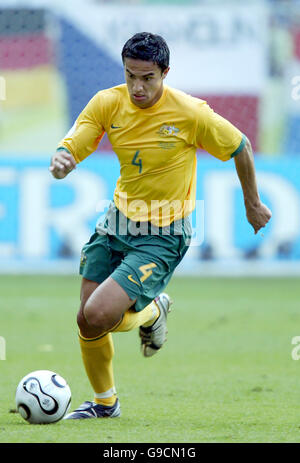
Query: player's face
(144,81)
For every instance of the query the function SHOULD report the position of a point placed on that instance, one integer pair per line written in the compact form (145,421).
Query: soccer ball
(43,397)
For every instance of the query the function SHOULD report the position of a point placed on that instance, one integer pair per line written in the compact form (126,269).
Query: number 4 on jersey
(137,162)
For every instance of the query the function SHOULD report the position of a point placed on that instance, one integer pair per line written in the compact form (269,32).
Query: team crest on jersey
(168,130)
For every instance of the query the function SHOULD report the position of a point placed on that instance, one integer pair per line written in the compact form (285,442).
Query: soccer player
(155,131)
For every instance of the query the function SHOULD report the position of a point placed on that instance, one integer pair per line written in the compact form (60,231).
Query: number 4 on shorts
(146,270)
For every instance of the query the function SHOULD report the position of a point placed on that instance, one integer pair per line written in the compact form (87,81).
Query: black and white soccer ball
(43,397)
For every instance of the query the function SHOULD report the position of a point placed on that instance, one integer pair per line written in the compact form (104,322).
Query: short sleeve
(85,135)
(217,135)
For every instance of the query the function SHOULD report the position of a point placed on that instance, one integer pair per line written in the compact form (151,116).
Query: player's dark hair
(147,47)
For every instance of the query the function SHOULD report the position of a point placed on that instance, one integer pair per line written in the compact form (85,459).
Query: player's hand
(258,216)
(62,163)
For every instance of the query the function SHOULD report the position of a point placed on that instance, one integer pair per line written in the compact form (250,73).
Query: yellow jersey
(156,148)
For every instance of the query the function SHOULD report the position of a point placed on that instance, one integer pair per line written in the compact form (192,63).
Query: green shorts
(142,264)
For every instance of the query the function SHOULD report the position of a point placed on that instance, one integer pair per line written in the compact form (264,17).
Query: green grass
(225,375)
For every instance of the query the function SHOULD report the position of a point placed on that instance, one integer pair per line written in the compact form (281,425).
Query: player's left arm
(258,214)
(223,140)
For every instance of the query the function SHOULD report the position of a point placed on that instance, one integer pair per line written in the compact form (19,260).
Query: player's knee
(97,317)
(81,321)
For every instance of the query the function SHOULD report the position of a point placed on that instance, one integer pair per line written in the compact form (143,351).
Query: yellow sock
(132,319)
(97,354)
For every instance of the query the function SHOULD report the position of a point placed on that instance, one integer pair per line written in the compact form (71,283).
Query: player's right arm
(62,163)
(80,141)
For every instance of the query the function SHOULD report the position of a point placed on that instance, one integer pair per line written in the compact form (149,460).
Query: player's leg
(106,308)
(96,348)
(97,353)
(102,305)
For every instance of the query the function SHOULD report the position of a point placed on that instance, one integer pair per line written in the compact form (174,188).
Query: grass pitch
(226,373)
